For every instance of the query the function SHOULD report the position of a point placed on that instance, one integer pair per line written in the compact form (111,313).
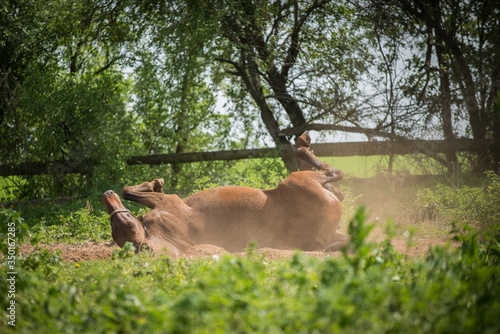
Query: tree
(176,111)
(174,100)
(275,51)
(72,97)
(21,42)
(454,59)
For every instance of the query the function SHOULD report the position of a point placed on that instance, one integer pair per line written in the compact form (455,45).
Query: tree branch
(108,65)
(293,50)
(377,132)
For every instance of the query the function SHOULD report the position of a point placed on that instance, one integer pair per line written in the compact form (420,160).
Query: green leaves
(44,261)
(358,250)
(13,231)
(474,205)
(125,252)
(143,293)
(71,96)
(81,226)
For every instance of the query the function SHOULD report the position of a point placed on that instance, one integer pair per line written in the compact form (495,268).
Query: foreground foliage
(369,289)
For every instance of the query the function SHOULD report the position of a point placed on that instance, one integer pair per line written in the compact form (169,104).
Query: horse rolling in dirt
(303,212)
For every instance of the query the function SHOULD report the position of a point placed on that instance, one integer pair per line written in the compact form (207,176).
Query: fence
(429,147)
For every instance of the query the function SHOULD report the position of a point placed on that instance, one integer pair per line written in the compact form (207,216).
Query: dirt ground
(100,251)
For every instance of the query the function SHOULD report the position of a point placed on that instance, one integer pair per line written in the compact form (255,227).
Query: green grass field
(369,166)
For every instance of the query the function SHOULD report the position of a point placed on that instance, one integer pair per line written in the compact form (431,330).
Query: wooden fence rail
(429,147)
(328,149)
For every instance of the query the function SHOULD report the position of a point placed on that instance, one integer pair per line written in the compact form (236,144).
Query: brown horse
(302,212)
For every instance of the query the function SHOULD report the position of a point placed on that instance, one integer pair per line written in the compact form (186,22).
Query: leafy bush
(477,206)
(487,252)
(256,173)
(125,252)
(42,260)
(12,228)
(80,226)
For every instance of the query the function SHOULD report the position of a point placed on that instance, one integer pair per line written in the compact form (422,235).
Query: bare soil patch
(91,251)
(75,252)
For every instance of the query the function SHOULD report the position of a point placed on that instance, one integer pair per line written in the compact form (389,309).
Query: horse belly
(231,217)
(313,214)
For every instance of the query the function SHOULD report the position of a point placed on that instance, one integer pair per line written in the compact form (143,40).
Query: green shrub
(477,206)
(42,260)
(83,225)
(125,252)
(263,173)
(13,230)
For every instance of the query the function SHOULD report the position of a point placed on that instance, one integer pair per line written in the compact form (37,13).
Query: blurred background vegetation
(90,83)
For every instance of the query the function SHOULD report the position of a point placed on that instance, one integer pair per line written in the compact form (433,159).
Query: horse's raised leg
(304,143)
(147,193)
(147,187)
(304,153)
(308,161)
(340,240)
(337,192)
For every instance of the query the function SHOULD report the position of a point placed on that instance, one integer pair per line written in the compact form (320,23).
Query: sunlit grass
(373,165)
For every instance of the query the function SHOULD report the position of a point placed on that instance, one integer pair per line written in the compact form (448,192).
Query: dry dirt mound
(99,251)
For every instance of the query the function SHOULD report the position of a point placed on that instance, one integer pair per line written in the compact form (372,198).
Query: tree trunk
(278,80)
(445,103)
(251,78)
(431,13)
(495,116)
